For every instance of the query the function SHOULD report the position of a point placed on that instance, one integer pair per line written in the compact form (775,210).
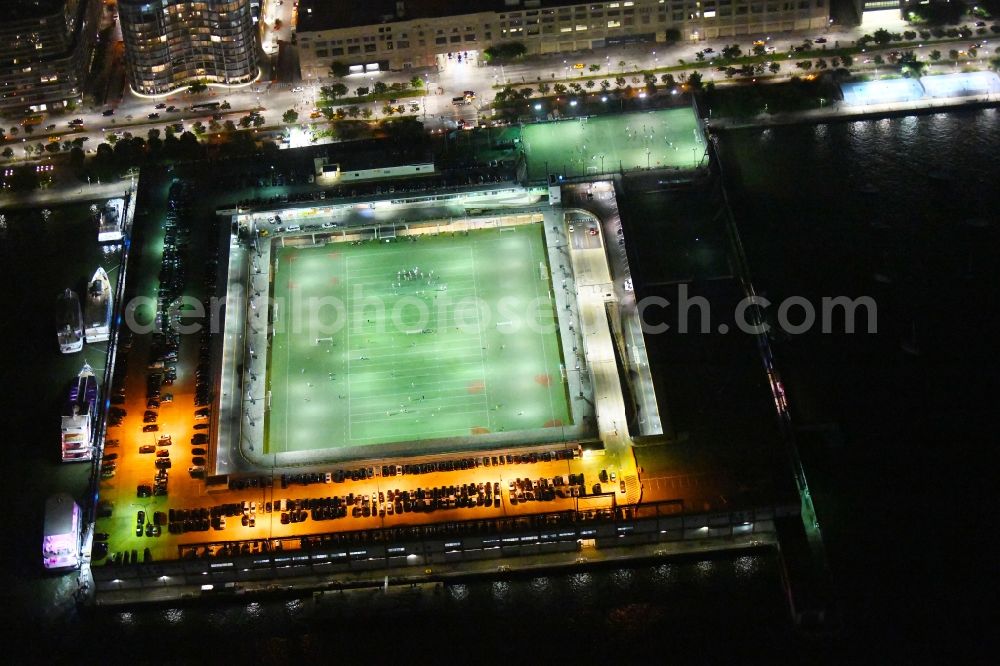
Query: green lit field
(669,138)
(397,357)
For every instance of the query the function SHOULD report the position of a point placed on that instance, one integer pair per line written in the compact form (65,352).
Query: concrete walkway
(840,111)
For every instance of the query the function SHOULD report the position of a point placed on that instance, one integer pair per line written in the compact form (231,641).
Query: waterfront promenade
(839,111)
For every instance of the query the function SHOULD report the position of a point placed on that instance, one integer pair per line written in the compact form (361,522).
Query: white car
(297,89)
(328,225)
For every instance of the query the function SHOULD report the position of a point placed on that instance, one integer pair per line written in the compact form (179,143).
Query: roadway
(450,79)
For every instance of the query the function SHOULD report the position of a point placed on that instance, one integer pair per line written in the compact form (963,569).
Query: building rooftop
(325,15)
(17,10)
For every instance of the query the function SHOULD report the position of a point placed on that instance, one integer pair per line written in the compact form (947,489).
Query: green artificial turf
(388,358)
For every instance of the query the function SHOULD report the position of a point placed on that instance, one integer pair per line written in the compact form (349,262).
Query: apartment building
(46,48)
(400,34)
(171,43)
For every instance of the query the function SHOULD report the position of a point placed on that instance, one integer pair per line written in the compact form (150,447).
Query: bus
(32,120)
(206,106)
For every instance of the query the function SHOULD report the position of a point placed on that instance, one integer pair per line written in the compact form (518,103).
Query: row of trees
(329,94)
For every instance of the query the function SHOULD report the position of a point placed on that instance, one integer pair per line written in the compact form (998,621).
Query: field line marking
(479,331)
(545,355)
(347,346)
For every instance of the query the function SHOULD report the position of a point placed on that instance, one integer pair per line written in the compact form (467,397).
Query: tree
(506,51)
(257,120)
(774,67)
(199,128)
(668,80)
(198,86)
(388,110)
(290,116)
(620,82)
(353,111)
(111,138)
(416,82)
(694,80)
(29,129)
(731,51)
(590,83)
(882,36)
(229,126)
(953,54)
(605,85)
(225,106)
(361,91)
(8,152)
(414,107)
(935,55)
(14,130)
(543,89)
(380,88)
(759,49)
(366,113)
(594,68)
(879,60)
(339,69)
(559,89)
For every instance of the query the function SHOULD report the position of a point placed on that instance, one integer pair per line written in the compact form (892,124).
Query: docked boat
(79,418)
(69,322)
(61,540)
(110,221)
(97,310)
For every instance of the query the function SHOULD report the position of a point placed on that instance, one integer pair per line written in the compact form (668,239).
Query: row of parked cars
(547,489)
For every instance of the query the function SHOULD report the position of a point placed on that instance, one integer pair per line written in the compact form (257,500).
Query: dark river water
(894,427)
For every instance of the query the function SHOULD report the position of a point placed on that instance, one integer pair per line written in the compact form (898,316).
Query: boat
(110,221)
(69,322)
(79,417)
(61,540)
(97,310)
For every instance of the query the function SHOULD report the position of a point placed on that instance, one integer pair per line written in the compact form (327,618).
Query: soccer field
(444,336)
(651,139)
